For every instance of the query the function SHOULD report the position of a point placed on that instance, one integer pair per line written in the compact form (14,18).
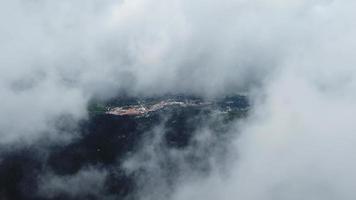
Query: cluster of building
(140,109)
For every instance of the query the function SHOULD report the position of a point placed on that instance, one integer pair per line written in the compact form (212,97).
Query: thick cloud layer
(294,57)
(299,141)
(57,55)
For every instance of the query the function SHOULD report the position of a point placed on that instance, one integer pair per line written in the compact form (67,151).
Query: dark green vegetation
(106,141)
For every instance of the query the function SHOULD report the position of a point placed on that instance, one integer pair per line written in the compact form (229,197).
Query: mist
(69,52)
(294,59)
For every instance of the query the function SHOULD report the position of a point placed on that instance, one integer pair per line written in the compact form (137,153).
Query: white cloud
(88,181)
(297,55)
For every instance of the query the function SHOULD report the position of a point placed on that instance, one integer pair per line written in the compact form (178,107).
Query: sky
(293,58)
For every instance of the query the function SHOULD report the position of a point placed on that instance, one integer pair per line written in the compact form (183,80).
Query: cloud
(55,56)
(159,167)
(298,141)
(295,59)
(87,183)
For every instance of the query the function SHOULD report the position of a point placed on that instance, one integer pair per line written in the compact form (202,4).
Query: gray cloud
(55,56)
(298,142)
(294,57)
(87,182)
